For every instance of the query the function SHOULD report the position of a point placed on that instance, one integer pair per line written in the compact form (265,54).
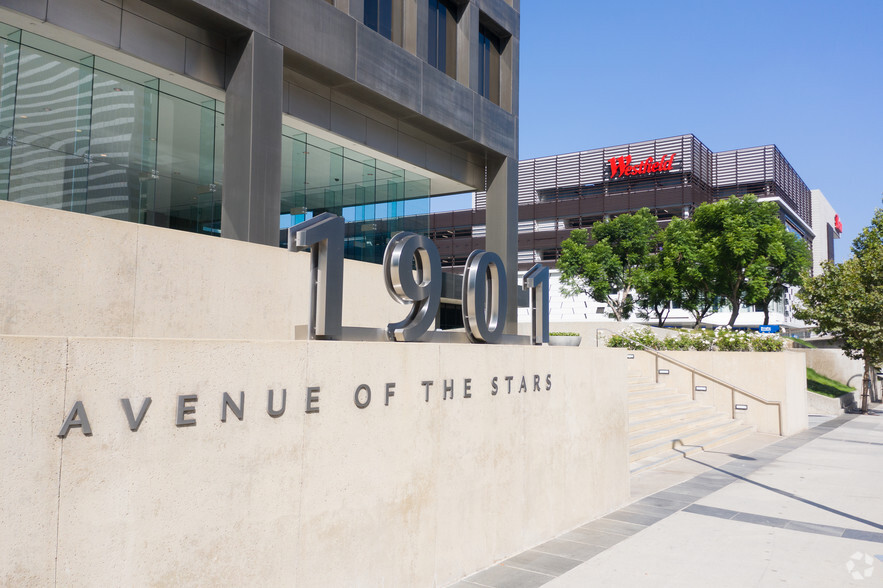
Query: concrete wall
(771,376)
(832,363)
(78,275)
(409,492)
(412,493)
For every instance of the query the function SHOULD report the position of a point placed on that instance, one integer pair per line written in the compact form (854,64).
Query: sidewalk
(806,510)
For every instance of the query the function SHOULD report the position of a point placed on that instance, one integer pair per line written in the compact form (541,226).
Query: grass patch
(819,384)
(801,343)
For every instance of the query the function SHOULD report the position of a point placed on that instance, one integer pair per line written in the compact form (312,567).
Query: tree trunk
(766,313)
(866,386)
(735,313)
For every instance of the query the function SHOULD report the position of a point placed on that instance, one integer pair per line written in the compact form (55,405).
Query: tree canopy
(743,239)
(607,271)
(846,300)
(735,249)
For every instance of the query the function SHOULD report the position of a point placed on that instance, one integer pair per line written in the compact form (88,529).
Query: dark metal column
(502,228)
(253,143)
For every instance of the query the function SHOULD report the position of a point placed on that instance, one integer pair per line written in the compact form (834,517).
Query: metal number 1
(536,282)
(323,234)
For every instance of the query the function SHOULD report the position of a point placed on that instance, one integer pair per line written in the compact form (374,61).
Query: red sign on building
(622,166)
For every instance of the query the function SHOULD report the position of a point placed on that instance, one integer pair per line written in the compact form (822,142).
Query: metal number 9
(403,252)
(484,297)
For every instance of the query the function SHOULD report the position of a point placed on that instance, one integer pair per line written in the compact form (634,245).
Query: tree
(657,286)
(846,300)
(742,239)
(607,271)
(787,270)
(692,261)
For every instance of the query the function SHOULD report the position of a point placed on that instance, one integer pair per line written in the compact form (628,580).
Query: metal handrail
(694,371)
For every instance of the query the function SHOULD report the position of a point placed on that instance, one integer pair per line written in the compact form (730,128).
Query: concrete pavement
(806,510)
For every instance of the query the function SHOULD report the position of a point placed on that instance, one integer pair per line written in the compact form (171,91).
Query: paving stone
(565,547)
(746,517)
(633,517)
(722,513)
(815,528)
(543,563)
(593,537)
(863,535)
(501,576)
(615,527)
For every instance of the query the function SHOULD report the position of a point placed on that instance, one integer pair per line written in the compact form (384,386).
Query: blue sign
(768,328)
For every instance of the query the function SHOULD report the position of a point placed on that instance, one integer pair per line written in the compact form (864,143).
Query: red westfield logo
(622,166)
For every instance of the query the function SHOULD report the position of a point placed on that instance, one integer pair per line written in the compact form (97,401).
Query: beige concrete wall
(412,493)
(820,404)
(833,364)
(78,275)
(771,376)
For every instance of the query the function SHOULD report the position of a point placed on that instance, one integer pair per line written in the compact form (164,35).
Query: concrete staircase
(665,425)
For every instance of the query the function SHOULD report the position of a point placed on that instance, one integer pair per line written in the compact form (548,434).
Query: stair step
(662,399)
(676,430)
(670,455)
(645,386)
(640,414)
(656,419)
(701,437)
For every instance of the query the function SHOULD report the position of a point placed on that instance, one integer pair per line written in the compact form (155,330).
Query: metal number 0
(484,297)
(423,291)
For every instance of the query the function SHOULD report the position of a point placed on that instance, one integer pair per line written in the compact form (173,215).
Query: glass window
(443,36)
(378,16)
(488,64)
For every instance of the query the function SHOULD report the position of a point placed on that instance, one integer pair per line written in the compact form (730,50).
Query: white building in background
(827,227)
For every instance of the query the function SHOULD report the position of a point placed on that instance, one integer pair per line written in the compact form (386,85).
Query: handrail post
(733,402)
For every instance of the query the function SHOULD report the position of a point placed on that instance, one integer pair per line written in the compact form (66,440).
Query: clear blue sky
(806,76)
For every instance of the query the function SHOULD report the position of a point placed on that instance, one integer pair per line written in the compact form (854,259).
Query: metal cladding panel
(567,170)
(792,188)
(591,164)
(743,166)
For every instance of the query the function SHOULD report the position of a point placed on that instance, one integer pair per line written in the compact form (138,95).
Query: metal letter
(367,390)
(484,297)
(312,397)
(536,383)
(270,411)
(467,386)
(427,383)
(237,410)
(134,423)
(390,391)
(423,292)
(448,388)
(494,388)
(523,385)
(183,410)
(323,234)
(76,418)
(548,381)
(536,282)
(509,381)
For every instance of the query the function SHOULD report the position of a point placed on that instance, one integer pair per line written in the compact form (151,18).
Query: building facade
(242,118)
(670,176)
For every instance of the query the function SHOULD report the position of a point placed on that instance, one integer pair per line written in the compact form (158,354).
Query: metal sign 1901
(412,272)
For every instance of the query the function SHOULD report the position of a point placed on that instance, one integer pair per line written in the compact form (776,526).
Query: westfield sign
(622,166)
